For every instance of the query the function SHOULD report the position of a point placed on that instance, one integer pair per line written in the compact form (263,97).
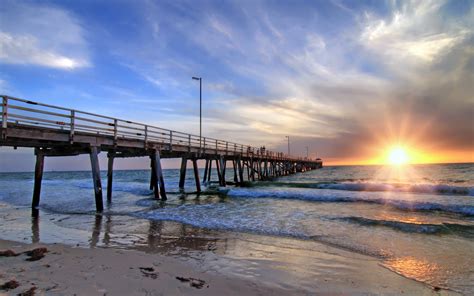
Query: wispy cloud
(41,35)
(414,33)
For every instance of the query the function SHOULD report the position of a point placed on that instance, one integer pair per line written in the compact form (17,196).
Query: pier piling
(154,179)
(182,173)
(196,175)
(96,178)
(159,174)
(110,173)
(38,178)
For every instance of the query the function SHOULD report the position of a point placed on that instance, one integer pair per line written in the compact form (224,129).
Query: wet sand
(120,255)
(67,270)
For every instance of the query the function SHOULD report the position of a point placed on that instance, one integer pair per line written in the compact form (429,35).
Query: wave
(380,187)
(426,228)
(461,207)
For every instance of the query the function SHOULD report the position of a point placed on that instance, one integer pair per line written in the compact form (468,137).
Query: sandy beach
(76,271)
(81,270)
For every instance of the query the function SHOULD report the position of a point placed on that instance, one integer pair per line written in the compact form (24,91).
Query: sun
(398,156)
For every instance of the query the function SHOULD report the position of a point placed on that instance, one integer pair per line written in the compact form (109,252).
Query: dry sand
(66,270)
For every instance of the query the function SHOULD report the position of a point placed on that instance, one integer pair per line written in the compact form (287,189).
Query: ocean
(417,221)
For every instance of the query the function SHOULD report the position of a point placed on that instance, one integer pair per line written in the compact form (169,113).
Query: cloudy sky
(349,79)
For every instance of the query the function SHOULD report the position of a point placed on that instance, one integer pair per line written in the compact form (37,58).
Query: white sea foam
(454,204)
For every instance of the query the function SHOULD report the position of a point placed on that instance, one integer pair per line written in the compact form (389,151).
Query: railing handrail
(150,132)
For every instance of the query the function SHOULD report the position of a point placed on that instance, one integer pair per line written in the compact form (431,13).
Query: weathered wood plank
(210,171)
(234,165)
(182,173)
(96,179)
(38,178)
(196,175)
(218,171)
(206,168)
(154,179)
(159,174)
(241,171)
(110,174)
(222,170)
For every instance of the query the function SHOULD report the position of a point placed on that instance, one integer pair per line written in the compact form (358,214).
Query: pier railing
(29,113)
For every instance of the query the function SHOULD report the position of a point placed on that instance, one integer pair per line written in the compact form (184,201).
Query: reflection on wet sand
(35,236)
(159,237)
(419,269)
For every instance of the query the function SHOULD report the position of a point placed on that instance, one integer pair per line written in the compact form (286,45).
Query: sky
(348,79)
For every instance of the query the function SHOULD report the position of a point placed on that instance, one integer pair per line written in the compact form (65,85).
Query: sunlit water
(418,221)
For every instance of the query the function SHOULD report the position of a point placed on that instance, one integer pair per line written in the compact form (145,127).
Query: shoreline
(67,270)
(104,258)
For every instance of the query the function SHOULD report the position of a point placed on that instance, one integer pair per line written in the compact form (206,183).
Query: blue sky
(343,77)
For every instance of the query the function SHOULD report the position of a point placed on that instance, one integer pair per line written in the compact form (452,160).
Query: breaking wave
(381,187)
(401,202)
(426,228)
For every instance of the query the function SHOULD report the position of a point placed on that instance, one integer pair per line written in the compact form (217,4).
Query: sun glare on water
(398,156)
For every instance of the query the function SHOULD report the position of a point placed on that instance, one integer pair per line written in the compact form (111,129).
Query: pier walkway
(58,131)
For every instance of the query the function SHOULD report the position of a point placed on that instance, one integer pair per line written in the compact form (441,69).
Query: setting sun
(398,156)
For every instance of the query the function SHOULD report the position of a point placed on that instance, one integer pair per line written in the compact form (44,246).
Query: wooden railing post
(4,112)
(71,127)
(204,145)
(189,143)
(216,146)
(115,131)
(171,140)
(146,135)
(226,147)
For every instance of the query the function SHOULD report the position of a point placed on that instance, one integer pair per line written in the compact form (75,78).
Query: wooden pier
(58,131)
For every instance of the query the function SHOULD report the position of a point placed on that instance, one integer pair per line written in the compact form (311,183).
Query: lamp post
(307,152)
(200,110)
(288,137)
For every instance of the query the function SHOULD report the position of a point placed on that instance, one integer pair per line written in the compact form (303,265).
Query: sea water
(417,220)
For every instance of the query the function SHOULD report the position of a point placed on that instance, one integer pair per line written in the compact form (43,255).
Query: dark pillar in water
(222,170)
(96,179)
(218,170)
(152,176)
(209,172)
(248,171)
(182,173)
(154,180)
(38,178)
(241,171)
(205,171)
(234,165)
(196,175)
(223,167)
(159,174)
(110,173)
(253,170)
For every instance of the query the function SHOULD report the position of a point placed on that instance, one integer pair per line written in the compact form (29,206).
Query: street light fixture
(200,110)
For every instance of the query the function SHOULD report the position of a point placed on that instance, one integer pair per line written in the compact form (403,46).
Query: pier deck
(58,131)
